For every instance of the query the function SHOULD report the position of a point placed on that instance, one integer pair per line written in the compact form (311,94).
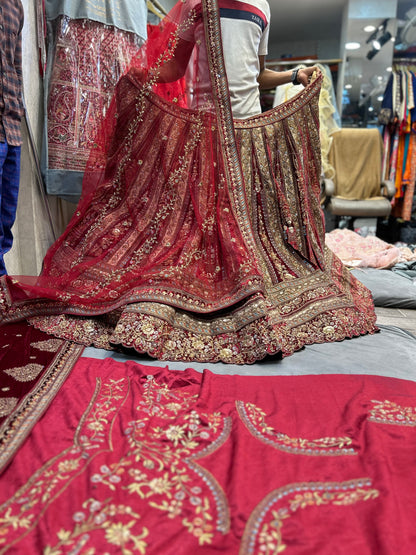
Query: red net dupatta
(197,236)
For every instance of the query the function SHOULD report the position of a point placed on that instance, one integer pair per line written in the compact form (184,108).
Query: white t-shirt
(245,34)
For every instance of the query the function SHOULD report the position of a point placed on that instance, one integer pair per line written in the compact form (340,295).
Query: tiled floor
(400,317)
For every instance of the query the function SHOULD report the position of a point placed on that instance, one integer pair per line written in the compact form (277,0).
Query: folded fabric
(354,154)
(406,269)
(362,252)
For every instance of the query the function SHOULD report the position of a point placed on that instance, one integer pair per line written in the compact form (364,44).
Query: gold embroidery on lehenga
(25,373)
(49,345)
(184,446)
(389,412)
(159,464)
(267,171)
(7,404)
(264,529)
(255,419)
(21,513)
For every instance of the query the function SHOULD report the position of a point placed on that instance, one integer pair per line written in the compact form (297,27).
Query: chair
(357,189)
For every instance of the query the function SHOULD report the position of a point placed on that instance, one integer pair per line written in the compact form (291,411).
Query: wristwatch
(294,77)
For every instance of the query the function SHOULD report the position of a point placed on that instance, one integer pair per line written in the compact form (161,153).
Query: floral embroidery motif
(7,404)
(255,420)
(50,345)
(21,513)
(158,464)
(96,515)
(25,373)
(167,451)
(264,534)
(388,412)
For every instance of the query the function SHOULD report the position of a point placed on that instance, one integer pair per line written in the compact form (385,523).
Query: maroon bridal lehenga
(197,237)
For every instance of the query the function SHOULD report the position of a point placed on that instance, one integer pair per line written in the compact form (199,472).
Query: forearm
(269,79)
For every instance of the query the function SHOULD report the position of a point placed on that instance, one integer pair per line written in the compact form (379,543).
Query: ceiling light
(378,39)
(371,54)
(380,98)
(348,86)
(369,28)
(384,38)
(352,45)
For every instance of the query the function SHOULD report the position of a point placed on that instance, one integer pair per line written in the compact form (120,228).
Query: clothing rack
(408,63)
(156,8)
(306,61)
(404,60)
(399,152)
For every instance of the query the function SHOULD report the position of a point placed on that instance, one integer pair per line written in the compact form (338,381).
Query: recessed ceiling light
(389,68)
(369,28)
(352,45)
(348,86)
(380,98)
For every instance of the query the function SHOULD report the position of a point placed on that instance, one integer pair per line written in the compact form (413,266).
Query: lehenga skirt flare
(197,237)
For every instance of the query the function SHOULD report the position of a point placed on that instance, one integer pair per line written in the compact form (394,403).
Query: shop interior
(84,464)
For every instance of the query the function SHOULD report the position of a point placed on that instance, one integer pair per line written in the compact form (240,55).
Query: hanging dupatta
(197,237)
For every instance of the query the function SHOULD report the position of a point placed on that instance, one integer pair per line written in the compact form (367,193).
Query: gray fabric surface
(389,289)
(390,353)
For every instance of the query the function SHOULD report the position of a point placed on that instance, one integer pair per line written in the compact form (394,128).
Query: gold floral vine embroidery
(263,532)
(25,373)
(95,516)
(49,345)
(21,513)
(255,420)
(158,464)
(388,412)
(170,451)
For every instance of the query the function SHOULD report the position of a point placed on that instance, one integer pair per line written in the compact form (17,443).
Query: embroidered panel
(157,461)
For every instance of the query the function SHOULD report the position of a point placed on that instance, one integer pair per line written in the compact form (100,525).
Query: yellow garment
(327,122)
(356,155)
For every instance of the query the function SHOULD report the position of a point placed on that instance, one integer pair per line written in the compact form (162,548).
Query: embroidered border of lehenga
(202,261)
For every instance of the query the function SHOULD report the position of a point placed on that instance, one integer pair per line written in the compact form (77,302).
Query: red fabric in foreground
(25,354)
(33,366)
(138,459)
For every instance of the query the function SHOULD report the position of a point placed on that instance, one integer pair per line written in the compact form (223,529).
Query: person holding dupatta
(199,235)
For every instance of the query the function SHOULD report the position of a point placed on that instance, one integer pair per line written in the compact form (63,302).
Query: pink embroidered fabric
(197,237)
(138,459)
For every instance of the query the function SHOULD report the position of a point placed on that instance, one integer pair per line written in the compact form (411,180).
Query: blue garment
(9,189)
(128,15)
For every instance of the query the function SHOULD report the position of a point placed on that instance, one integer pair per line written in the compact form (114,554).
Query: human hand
(305,73)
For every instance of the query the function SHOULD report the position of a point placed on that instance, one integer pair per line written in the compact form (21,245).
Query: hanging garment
(197,237)
(89,48)
(329,119)
(398,115)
